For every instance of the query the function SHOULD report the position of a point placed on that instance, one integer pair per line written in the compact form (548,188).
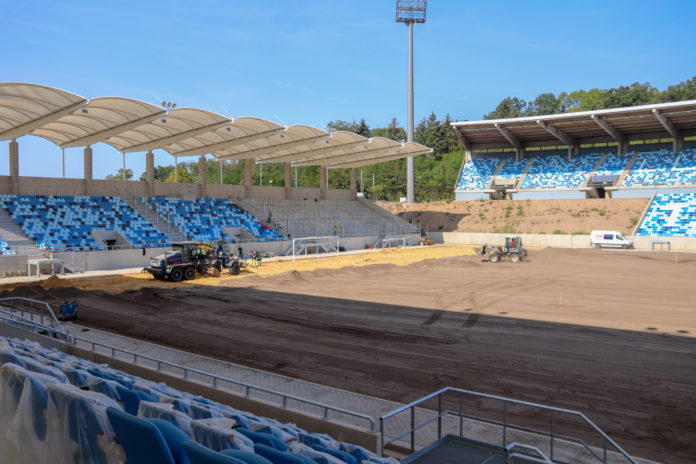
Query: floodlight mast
(410,12)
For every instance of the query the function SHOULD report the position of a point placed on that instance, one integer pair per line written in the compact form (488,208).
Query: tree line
(435,173)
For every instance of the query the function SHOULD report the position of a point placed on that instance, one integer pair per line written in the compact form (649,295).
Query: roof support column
(88,168)
(14,166)
(669,126)
(353,185)
(125,185)
(202,176)
(623,145)
(323,181)
(63,151)
(176,169)
(247,177)
(287,181)
(678,144)
(150,172)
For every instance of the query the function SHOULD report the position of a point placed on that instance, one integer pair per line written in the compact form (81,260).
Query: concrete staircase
(153,218)
(594,170)
(16,238)
(627,169)
(524,173)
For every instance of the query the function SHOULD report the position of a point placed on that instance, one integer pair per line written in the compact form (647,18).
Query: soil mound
(53,282)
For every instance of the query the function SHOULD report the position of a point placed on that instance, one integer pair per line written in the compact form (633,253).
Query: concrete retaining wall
(13,263)
(555,241)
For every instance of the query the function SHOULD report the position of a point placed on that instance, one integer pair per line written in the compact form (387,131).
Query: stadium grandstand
(618,153)
(59,215)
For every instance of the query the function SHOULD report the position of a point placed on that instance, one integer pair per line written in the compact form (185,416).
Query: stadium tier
(670,215)
(476,175)
(550,172)
(55,407)
(512,169)
(662,167)
(66,222)
(205,218)
(649,169)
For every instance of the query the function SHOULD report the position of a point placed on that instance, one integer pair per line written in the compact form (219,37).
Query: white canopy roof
(128,125)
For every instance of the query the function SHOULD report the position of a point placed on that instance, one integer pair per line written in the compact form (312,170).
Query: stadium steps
(627,169)
(594,170)
(153,218)
(15,237)
(520,182)
(491,184)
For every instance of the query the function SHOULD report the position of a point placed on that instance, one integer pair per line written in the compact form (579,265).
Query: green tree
(545,103)
(510,107)
(119,175)
(685,90)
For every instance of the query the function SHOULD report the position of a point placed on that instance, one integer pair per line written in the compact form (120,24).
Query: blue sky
(310,62)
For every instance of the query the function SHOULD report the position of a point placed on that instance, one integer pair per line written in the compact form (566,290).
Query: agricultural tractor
(189,258)
(513,248)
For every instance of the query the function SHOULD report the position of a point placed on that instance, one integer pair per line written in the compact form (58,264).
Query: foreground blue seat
(277,456)
(342,455)
(199,454)
(148,441)
(264,439)
(245,456)
(78,430)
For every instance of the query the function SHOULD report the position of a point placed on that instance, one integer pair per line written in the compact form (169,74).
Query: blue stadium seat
(66,222)
(670,215)
(199,454)
(476,175)
(204,218)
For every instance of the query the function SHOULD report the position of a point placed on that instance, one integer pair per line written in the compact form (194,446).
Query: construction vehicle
(513,249)
(190,258)
(68,310)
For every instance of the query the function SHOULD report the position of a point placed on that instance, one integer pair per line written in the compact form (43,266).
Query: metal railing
(217,381)
(511,454)
(505,424)
(34,315)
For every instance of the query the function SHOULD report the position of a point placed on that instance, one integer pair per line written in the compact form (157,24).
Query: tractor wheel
(494,258)
(234,269)
(176,274)
(514,257)
(189,273)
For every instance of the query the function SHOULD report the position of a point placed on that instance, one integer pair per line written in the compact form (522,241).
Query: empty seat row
(55,407)
(205,218)
(662,168)
(67,222)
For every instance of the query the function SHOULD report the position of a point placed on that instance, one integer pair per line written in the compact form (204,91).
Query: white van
(609,238)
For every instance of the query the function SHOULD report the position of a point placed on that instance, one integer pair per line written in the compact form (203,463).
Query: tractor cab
(513,242)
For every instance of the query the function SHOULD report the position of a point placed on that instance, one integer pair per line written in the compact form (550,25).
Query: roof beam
(253,154)
(559,134)
(355,156)
(105,134)
(514,141)
(313,154)
(370,161)
(204,150)
(164,141)
(666,123)
(608,128)
(29,126)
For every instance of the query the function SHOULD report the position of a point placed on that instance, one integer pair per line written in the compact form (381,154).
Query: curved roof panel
(336,142)
(390,154)
(179,124)
(25,107)
(238,132)
(293,136)
(98,120)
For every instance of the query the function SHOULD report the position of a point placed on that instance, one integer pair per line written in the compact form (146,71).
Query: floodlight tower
(410,12)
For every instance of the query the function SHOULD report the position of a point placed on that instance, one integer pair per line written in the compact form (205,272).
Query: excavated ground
(609,333)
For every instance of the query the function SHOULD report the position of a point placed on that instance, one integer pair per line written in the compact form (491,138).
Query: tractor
(189,258)
(513,248)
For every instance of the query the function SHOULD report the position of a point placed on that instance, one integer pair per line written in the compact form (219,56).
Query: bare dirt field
(609,333)
(524,216)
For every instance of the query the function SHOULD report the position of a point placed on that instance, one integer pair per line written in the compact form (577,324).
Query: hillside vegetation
(566,217)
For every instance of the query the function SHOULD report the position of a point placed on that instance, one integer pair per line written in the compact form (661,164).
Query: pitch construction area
(609,333)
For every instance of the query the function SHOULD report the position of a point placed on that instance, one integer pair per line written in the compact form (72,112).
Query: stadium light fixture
(410,12)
